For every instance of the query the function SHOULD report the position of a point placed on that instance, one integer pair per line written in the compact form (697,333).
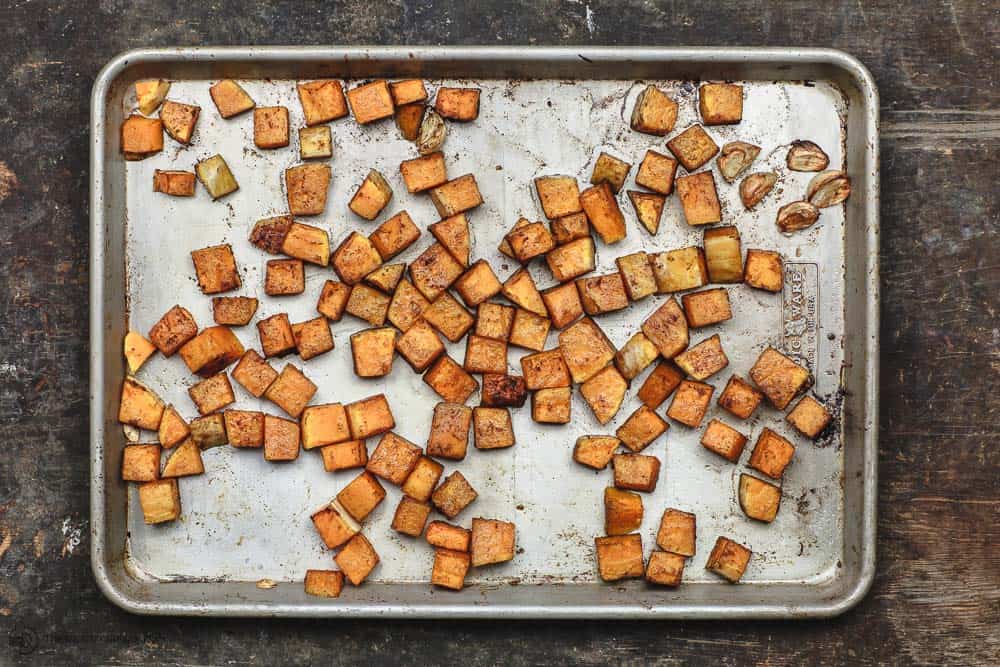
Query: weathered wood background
(937,595)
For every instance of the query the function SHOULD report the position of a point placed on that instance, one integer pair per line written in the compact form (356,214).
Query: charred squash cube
(454,495)
(453,234)
(728,559)
(690,403)
(291,391)
(371,197)
(284,277)
(371,102)
(693,147)
(681,269)
(212,394)
(563,304)
(595,451)
(604,392)
(141,137)
(421,481)
(720,103)
(602,294)
(373,351)
(740,398)
(344,455)
(707,307)
(704,359)
(446,536)
(270,127)
(334,525)
(545,370)
(492,428)
(308,243)
(450,568)
(724,440)
(174,183)
(759,500)
(394,458)
(492,541)
(571,260)
(315,142)
(619,557)
(268,234)
(333,300)
(659,384)
(667,329)
(503,391)
(764,270)
(559,195)
(281,439)
(520,288)
(665,569)
(570,228)
(449,317)
(211,351)
(160,501)
(585,349)
(312,338)
(637,275)
(434,271)
(638,353)
(461,104)
(370,416)
(420,346)
(324,425)
(611,170)
(477,284)
(450,381)
(529,330)
(456,196)
(244,428)
(622,511)
(424,172)
(410,517)
(656,173)
(552,405)
(361,495)
(324,583)
(637,472)
(485,355)
(772,454)
(173,429)
(601,207)
(179,120)
(234,311)
(358,558)
(214,174)
(699,198)
(408,306)
(322,101)
(141,463)
(230,98)
(355,258)
(186,459)
(654,112)
(641,428)
(139,406)
(449,436)
(779,378)
(276,337)
(306,187)
(677,532)
(175,328)
(254,373)
(530,241)
(494,320)
(394,235)
(216,269)
(368,304)
(723,255)
(809,417)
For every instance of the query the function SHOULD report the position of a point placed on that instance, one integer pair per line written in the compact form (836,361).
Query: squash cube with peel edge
(214,174)
(728,559)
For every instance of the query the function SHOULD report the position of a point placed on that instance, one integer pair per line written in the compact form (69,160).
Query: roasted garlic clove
(432,133)
(797,215)
(828,188)
(755,187)
(806,156)
(735,158)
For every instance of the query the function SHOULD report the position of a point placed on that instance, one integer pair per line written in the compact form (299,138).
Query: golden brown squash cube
(724,440)
(677,533)
(370,416)
(570,228)
(520,288)
(461,104)
(619,557)
(324,425)
(230,98)
(355,258)
(604,392)
(563,304)
(477,284)
(637,472)
(149,94)
(291,391)
(641,428)
(723,256)
(141,137)
(139,406)
(809,417)
(779,378)
(667,329)
(494,320)
(306,187)
(503,391)
(408,91)
(179,120)
(212,394)
(720,103)
(394,236)
(656,173)
(602,294)
(424,172)
(361,495)
(307,243)
(693,147)
(611,170)
(322,100)
(681,269)
(772,454)
(585,349)
(324,583)
(270,127)
(759,500)
(453,234)
(160,501)
(504,246)
(690,403)
(394,458)
(421,481)
(622,511)
(410,517)
(137,350)
(174,183)
(740,398)
(665,569)
(315,142)
(368,304)
(209,431)
(434,271)
(358,558)
(450,568)
(448,316)
(530,241)
(493,541)
(141,463)
(420,346)
(408,306)
(371,197)
(284,277)
(233,310)
(216,269)
(707,307)
(699,198)
(637,275)
(215,175)
(764,270)
(552,405)
(654,112)
(446,536)
(648,209)
(571,260)
(254,373)
(333,300)
(595,451)
(456,196)
(545,370)
(728,559)
(492,428)
(558,195)
(449,436)
(485,355)
(373,351)
(312,338)
(173,429)
(344,455)
(659,384)
(601,207)
(185,460)
(371,102)
(268,234)
(454,495)
(334,526)
(211,351)
(244,428)
(281,439)
(633,358)
(450,381)
(529,330)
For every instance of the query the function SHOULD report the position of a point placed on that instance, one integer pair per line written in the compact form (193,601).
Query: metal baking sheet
(543,111)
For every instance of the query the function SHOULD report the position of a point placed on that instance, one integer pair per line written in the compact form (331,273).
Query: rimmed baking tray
(544,110)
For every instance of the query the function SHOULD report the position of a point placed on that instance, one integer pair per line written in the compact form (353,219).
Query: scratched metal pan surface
(543,111)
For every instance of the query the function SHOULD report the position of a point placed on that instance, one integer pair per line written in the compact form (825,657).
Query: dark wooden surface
(937,595)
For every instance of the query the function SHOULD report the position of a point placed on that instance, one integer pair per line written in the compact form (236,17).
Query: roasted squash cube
(324,425)
(371,197)
(633,358)
(209,431)
(230,98)
(728,559)
(503,391)
(723,255)
(740,398)
(446,536)
(707,307)
(212,394)
(637,275)
(570,228)
(358,558)
(174,183)
(291,391)
(137,350)
(456,196)
(371,102)
(434,271)
(270,127)
(690,403)
(622,511)
(141,463)
(667,329)
(450,381)
(308,243)
(724,440)
(699,198)
(370,416)
(720,103)
(315,142)
(529,330)
(493,541)
(361,495)
(216,176)
(281,439)
(160,501)
(571,260)
(601,207)
(595,451)
(681,269)
(233,310)
(545,370)
(602,294)
(268,234)
(772,454)
(693,147)
(373,351)
(764,270)
(448,316)
(779,378)
(492,428)
(420,346)
(563,304)
(139,406)
(604,392)
(558,195)
(421,481)
(454,495)
(186,460)
(244,428)
(179,120)
(552,406)
(611,170)
(637,472)
(453,234)
(641,428)
(149,94)
(284,277)
(324,583)
(394,236)
(368,304)
(449,436)
(216,269)
(254,373)
(585,349)
(520,288)
(408,91)
(619,557)
(306,187)
(809,417)
(211,351)
(477,284)
(450,568)
(485,355)
(276,337)
(141,137)
(344,455)
(665,569)
(312,337)
(409,120)
(659,384)
(461,104)
(759,500)
(334,525)
(410,517)
(394,458)
(648,208)
(656,172)
(322,101)
(355,258)
(173,429)
(494,320)
(424,172)
(677,533)
(530,241)
(704,359)
(654,112)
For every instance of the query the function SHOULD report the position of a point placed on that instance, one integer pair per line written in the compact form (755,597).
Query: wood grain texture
(937,594)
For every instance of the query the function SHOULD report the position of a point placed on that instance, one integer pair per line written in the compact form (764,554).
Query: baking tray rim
(864,575)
